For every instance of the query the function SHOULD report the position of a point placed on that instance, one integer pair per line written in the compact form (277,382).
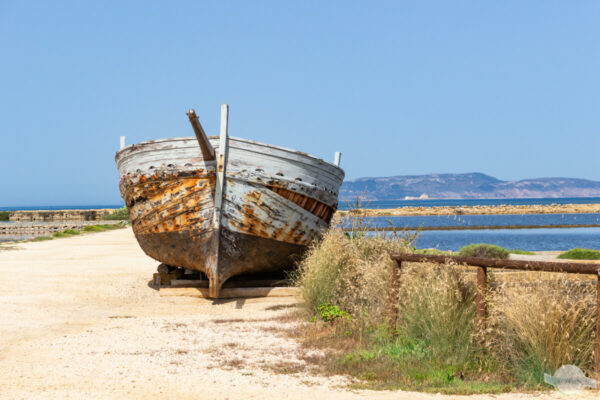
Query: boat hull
(275,202)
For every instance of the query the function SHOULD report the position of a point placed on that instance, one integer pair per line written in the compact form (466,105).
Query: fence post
(481,306)
(394,292)
(597,338)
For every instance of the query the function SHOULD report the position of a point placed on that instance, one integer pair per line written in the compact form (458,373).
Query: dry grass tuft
(437,309)
(546,321)
(350,272)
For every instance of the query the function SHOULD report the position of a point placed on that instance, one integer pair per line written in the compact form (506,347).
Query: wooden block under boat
(194,283)
(229,293)
(159,279)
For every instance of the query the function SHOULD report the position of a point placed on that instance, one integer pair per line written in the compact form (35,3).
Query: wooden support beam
(481,306)
(396,270)
(160,279)
(230,293)
(229,284)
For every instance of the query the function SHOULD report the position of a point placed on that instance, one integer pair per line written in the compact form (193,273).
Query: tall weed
(541,323)
(437,308)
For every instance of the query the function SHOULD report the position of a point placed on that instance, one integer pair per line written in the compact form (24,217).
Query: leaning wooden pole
(208,152)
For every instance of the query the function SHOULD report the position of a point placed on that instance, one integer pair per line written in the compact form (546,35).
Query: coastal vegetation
(41,238)
(581,254)
(66,233)
(117,215)
(4,215)
(536,321)
(102,227)
(483,250)
(73,232)
(453,253)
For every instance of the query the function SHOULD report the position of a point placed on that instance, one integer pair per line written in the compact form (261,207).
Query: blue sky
(510,88)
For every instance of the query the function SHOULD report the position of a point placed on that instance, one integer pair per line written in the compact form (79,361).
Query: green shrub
(42,238)
(327,313)
(92,228)
(66,233)
(483,250)
(4,215)
(103,227)
(119,214)
(581,254)
(524,252)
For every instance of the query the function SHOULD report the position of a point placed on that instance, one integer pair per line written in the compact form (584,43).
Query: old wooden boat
(223,205)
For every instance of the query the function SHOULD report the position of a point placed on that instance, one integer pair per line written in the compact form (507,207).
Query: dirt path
(78,320)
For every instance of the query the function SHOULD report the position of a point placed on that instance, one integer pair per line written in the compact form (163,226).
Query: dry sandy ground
(78,320)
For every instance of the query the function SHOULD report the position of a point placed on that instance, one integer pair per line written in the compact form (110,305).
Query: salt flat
(80,321)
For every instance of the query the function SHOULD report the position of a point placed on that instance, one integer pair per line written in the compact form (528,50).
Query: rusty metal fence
(482,265)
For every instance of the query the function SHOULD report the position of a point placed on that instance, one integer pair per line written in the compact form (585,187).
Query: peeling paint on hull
(275,202)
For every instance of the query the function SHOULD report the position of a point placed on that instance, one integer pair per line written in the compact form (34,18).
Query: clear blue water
(526,239)
(474,202)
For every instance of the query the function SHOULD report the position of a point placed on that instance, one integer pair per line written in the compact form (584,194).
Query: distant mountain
(466,186)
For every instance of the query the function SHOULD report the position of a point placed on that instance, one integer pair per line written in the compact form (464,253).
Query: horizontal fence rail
(522,265)
(482,265)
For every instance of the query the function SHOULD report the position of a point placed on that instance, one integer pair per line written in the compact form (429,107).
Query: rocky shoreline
(474,210)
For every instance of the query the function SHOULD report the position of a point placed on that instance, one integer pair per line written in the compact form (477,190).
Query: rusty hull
(275,202)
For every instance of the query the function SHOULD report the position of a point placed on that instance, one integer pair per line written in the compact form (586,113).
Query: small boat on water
(225,206)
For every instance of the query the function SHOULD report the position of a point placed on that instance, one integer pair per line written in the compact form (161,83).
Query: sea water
(527,239)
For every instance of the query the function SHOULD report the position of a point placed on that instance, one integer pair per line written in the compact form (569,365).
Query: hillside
(466,186)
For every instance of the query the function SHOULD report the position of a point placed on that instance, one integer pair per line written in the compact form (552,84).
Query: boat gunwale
(191,138)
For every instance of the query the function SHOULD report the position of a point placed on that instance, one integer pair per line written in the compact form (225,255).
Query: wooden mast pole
(208,152)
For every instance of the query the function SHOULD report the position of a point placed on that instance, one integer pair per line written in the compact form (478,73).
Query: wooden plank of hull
(275,202)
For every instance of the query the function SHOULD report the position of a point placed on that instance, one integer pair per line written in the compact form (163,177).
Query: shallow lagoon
(526,239)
